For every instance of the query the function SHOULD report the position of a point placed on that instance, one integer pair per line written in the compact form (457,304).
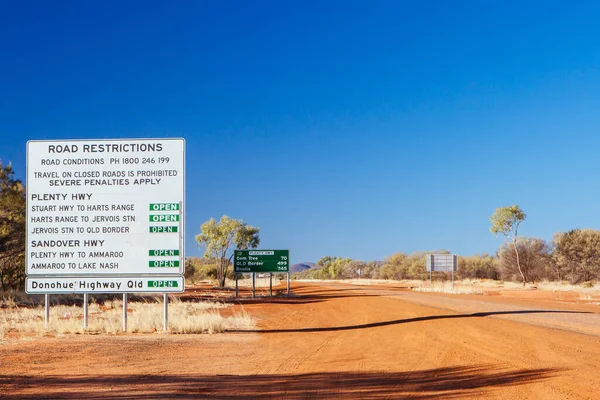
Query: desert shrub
(477,267)
(198,269)
(534,256)
(577,254)
(401,266)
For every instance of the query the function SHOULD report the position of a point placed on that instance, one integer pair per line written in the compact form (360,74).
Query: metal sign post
(166,311)
(288,283)
(253,285)
(85,311)
(124,312)
(237,291)
(46,310)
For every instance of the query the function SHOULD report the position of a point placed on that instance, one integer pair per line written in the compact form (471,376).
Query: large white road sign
(105,207)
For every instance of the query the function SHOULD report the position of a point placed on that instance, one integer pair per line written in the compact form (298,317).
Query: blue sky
(357,129)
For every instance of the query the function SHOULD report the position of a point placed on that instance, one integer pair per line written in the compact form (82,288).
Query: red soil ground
(334,341)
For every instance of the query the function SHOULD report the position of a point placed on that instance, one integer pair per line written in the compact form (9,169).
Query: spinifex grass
(446,287)
(259,282)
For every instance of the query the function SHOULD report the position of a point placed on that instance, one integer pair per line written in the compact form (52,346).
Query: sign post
(46,310)
(124,312)
(442,263)
(236,286)
(85,311)
(105,216)
(165,311)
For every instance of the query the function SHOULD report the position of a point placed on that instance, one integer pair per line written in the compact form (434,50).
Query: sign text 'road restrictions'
(105,207)
(261,261)
(59,284)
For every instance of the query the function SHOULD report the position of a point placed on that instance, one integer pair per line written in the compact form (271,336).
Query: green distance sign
(261,261)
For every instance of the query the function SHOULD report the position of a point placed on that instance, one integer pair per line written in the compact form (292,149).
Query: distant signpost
(441,263)
(262,261)
(252,261)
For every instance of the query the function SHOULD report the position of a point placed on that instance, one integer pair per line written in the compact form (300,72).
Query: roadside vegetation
(571,258)
(571,261)
(22,317)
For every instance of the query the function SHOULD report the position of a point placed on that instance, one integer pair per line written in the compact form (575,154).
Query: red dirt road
(333,341)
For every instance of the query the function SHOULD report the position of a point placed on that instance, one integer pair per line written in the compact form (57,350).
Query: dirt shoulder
(328,341)
(536,308)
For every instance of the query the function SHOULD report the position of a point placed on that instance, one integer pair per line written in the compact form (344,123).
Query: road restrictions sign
(59,284)
(105,207)
(261,261)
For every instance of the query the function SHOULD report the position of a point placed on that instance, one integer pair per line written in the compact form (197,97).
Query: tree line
(572,256)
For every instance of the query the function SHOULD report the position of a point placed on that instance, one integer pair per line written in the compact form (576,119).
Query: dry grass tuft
(366,282)
(568,287)
(143,317)
(446,287)
(259,282)
(587,290)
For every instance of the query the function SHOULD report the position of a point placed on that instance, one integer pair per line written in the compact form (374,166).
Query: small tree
(221,238)
(506,221)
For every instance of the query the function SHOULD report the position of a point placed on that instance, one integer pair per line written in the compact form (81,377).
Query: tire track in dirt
(559,317)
